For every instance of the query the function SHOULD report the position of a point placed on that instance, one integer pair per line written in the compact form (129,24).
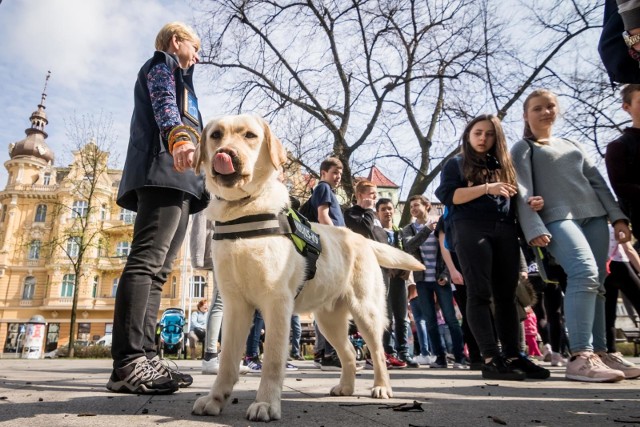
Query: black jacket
(148,162)
(411,242)
(362,221)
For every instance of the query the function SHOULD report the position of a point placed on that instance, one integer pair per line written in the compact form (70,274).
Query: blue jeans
(581,248)
(296,334)
(421,327)
(253,340)
(427,294)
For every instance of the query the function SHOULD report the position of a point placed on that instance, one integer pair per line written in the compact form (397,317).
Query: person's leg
(296,334)
(571,249)
(445,299)
(398,302)
(611,302)
(460,295)
(159,229)
(630,287)
(253,339)
(421,328)
(505,274)
(214,324)
(426,291)
(387,336)
(553,300)
(472,245)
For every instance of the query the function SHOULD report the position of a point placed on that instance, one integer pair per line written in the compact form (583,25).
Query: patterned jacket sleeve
(162,90)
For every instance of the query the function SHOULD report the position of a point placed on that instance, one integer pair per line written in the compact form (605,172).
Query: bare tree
(390,79)
(84,194)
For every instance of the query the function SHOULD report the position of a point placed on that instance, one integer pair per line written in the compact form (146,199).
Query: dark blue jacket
(148,162)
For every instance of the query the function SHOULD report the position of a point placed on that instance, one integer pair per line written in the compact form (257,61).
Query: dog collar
(289,223)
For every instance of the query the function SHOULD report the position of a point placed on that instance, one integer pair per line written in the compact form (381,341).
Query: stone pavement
(64,392)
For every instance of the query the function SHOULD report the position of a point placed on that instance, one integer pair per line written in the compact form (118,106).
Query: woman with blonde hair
(478,186)
(573,226)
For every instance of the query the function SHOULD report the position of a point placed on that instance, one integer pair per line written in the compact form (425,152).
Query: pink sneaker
(587,366)
(615,361)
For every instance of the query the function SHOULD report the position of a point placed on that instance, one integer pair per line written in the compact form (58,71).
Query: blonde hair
(182,31)
(527,133)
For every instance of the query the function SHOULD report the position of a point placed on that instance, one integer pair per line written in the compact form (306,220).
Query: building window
(46,179)
(73,246)
(127,216)
(103,212)
(198,284)
(29,288)
(174,286)
(34,249)
(94,286)
(80,209)
(53,333)
(4,213)
(114,287)
(68,281)
(122,249)
(84,332)
(41,213)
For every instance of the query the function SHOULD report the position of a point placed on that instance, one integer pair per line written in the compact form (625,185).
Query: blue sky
(94,49)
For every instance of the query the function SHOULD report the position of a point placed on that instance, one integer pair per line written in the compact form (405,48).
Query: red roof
(379,179)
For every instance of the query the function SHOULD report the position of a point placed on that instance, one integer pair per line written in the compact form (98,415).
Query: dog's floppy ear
(200,155)
(276,149)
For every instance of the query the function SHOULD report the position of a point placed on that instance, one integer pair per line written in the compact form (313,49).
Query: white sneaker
(615,361)
(557,360)
(423,360)
(210,367)
(588,367)
(547,353)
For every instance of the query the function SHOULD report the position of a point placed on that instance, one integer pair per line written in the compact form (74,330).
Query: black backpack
(307,211)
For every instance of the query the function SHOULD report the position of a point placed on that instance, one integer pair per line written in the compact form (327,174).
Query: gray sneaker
(140,377)
(164,368)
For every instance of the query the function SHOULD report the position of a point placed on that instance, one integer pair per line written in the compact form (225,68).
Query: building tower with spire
(43,212)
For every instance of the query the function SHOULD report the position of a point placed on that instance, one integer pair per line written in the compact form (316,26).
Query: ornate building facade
(47,217)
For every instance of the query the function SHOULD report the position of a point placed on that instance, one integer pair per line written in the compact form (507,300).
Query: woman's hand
(501,189)
(183,157)
(621,231)
(542,240)
(536,203)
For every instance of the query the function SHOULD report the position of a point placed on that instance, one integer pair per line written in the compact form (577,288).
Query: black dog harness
(289,223)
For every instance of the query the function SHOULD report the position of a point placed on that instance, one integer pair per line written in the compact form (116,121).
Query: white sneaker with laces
(210,367)
(423,360)
(587,366)
(616,361)
(558,360)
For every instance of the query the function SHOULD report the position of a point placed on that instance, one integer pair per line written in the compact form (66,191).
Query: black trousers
(548,311)
(158,232)
(489,255)
(625,279)
(397,316)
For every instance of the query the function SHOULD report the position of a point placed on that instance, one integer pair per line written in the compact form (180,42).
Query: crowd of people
(489,293)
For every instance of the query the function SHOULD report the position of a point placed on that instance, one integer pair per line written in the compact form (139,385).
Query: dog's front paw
(208,405)
(263,411)
(381,392)
(341,390)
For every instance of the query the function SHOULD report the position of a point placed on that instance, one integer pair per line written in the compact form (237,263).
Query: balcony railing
(26,303)
(34,187)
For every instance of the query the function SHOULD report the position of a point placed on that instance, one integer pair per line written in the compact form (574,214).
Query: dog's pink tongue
(222,164)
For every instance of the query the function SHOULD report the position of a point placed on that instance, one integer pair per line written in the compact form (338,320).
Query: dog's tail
(390,257)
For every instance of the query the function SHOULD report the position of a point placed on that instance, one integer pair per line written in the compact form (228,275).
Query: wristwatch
(629,39)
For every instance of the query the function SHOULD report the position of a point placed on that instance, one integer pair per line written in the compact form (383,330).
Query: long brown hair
(527,134)
(474,165)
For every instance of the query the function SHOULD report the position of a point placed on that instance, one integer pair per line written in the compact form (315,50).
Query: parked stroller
(170,332)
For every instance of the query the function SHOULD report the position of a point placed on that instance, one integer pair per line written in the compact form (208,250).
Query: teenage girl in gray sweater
(573,226)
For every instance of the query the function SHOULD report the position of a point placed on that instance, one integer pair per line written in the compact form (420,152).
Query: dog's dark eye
(216,134)
(250,135)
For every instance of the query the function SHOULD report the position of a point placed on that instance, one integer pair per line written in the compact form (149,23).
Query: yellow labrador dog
(242,160)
